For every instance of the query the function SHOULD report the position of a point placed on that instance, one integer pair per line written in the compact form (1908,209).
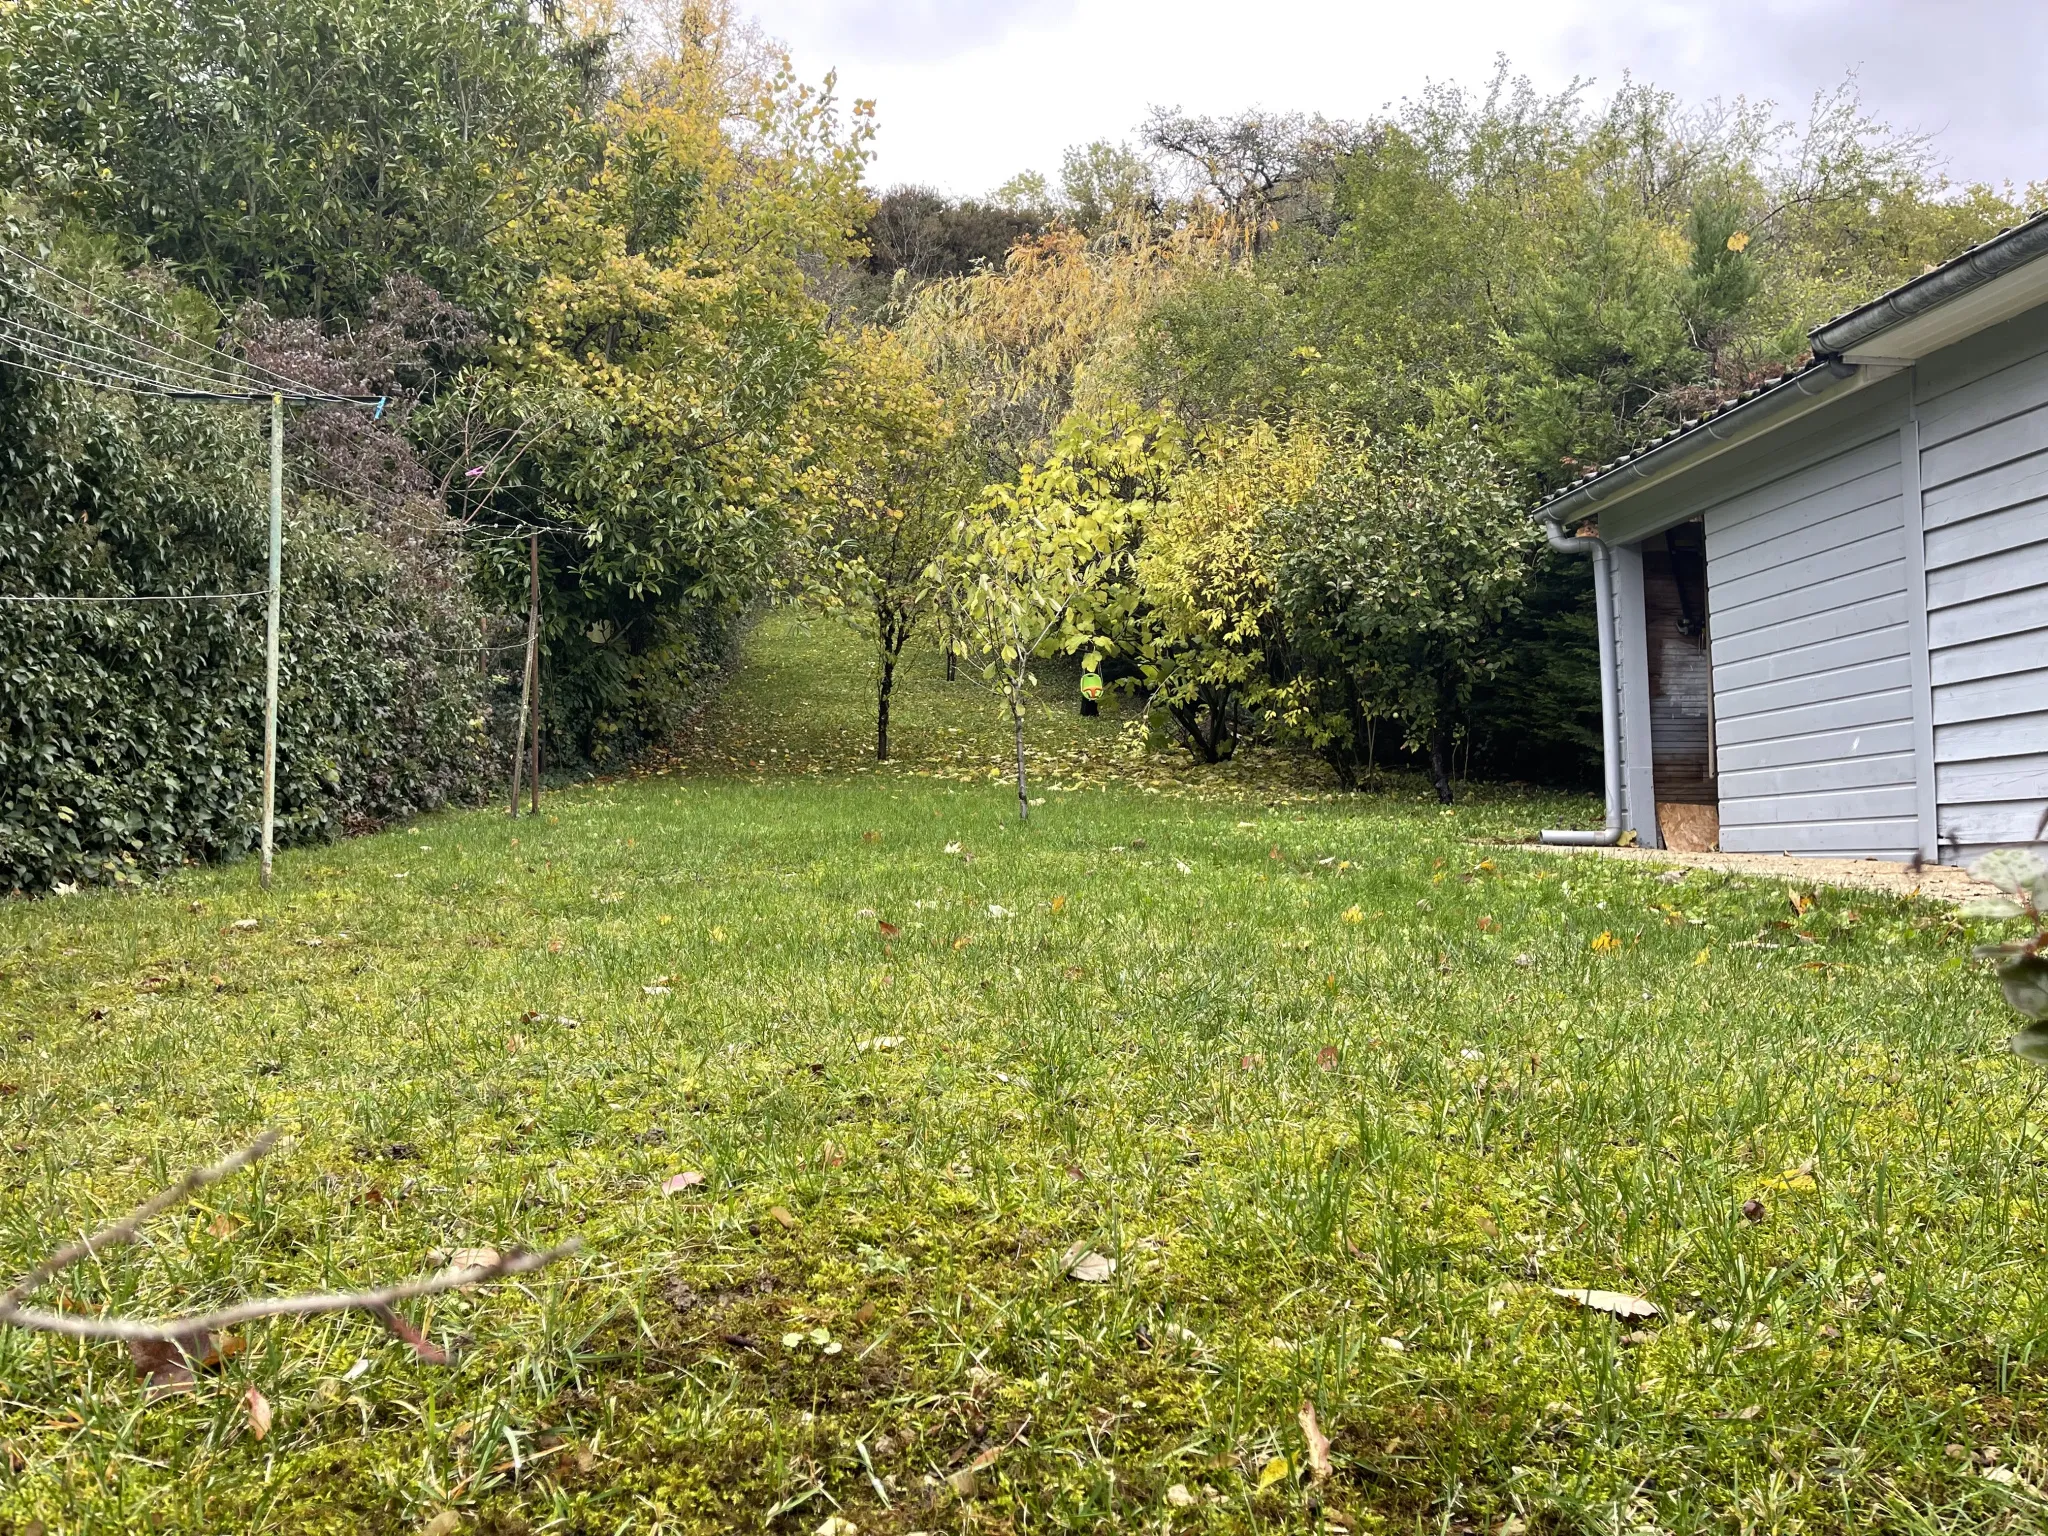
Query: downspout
(1610,698)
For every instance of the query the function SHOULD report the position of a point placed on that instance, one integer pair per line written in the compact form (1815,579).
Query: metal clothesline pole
(270,631)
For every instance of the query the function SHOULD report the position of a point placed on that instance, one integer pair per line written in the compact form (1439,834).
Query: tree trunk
(1440,761)
(1017,720)
(882,708)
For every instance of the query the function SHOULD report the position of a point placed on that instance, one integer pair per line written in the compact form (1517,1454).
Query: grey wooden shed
(1823,607)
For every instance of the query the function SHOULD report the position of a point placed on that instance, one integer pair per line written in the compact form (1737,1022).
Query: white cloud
(970,93)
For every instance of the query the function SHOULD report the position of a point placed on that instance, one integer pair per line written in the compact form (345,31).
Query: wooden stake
(525,694)
(270,631)
(533,655)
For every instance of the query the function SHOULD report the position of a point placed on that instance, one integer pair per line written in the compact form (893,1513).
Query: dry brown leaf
(167,1364)
(1613,1303)
(887,929)
(472,1258)
(676,1183)
(1318,1442)
(257,1407)
(1086,1265)
(865,1315)
(423,1348)
(223,1225)
(963,941)
(1326,1058)
(1489,1226)
(781,1214)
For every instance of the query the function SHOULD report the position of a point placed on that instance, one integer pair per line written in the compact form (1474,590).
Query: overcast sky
(972,91)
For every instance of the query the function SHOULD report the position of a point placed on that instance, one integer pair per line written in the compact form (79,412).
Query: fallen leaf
(223,1225)
(1276,1470)
(676,1183)
(1354,914)
(878,1043)
(837,1525)
(167,1364)
(865,1315)
(1753,1210)
(423,1348)
(963,941)
(1059,905)
(257,1407)
(1179,1497)
(1393,1345)
(244,924)
(1793,1178)
(1086,1265)
(472,1258)
(1489,1226)
(446,1523)
(1318,1442)
(1326,1058)
(888,930)
(781,1215)
(1606,943)
(1614,1303)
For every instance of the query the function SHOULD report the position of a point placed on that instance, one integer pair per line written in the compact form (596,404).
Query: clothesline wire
(281,378)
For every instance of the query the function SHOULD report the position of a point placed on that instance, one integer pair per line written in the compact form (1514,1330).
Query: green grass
(1343,1086)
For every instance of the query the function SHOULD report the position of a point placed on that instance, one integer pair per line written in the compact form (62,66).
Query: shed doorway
(1680,655)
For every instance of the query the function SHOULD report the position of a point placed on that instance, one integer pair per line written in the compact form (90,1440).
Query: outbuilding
(1823,607)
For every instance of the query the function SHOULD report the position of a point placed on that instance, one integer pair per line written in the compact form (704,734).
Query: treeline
(1360,350)
(1246,411)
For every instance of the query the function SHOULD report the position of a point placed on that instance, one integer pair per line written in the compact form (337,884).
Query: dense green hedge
(131,734)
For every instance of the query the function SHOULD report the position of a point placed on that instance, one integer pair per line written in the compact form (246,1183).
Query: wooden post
(270,631)
(533,655)
(525,698)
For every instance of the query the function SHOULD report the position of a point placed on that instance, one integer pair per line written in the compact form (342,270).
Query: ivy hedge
(131,733)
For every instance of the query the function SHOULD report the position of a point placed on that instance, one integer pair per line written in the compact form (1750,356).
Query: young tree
(1027,561)
(888,487)
(1398,563)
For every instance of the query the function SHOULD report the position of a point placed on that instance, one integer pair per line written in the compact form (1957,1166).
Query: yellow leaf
(1059,904)
(1738,242)
(1703,956)
(1273,1471)
(1354,915)
(1606,944)
(718,935)
(781,1214)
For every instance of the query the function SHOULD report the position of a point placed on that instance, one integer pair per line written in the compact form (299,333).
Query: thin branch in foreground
(189,1333)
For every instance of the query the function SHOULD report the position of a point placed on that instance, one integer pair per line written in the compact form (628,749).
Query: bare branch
(176,1330)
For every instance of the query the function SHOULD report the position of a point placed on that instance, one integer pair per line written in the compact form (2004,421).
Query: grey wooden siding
(1983,425)
(1812,675)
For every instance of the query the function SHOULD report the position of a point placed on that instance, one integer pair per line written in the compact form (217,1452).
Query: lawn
(1344,1086)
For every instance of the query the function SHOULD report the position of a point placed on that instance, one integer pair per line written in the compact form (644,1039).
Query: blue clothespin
(380,408)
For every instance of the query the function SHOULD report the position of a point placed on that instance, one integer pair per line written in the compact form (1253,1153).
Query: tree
(1398,561)
(651,415)
(1026,561)
(890,483)
(299,151)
